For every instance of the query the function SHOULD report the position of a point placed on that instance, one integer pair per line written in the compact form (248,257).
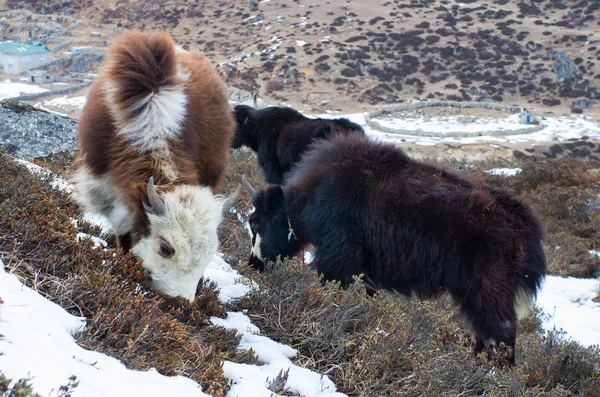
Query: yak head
(245,134)
(269,226)
(182,236)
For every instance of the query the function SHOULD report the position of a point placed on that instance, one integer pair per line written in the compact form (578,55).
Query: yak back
(415,226)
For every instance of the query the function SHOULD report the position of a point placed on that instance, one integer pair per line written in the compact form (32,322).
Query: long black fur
(409,227)
(280,135)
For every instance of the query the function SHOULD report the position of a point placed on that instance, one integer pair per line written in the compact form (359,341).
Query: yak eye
(165,250)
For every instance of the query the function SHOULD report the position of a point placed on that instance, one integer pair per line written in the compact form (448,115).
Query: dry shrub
(565,194)
(390,346)
(274,85)
(126,318)
(385,345)
(553,360)
(564,172)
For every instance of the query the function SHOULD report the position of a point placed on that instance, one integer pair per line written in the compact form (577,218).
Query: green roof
(22,48)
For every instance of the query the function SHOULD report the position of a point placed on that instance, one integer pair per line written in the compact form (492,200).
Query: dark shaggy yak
(280,135)
(409,227)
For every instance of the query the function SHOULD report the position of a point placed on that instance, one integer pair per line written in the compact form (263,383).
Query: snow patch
(568,303)
(56,182)
(98,242)
(504,171)
(9,89)
(37,343)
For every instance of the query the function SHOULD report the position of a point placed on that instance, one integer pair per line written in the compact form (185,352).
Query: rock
(574,89)
(28,132)
(531,46)
(551,102)
(582,104)
(563,67)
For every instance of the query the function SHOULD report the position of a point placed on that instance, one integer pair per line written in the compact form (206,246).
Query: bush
(126,318)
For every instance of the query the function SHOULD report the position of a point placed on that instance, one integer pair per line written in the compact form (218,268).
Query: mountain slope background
(353,55)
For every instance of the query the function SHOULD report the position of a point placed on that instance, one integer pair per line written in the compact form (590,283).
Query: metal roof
(12,48)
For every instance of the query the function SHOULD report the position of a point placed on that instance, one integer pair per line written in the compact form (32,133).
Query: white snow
(454,124)
(555,129)
(55,181)
(9,89)
(273,357)
(567,301)
(231,284)
(504,171)
(77,101)
(98,242)
(37,344)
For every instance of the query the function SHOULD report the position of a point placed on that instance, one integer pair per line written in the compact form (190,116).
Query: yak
(409,228)
(154,139)
(280,135)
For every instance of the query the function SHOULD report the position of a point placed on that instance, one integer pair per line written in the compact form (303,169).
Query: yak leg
(492,314)
(339,263)
(98,194)
(124,242)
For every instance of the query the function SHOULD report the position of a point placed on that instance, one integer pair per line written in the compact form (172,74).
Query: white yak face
(182,239)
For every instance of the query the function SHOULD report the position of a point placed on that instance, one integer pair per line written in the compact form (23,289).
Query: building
(16,58)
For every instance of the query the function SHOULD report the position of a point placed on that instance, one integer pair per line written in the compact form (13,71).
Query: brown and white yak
(154,142)
(409,227)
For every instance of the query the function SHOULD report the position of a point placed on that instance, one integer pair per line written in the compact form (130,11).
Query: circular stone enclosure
(450,123)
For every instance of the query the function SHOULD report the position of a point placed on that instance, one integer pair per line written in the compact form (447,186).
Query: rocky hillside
(351,55)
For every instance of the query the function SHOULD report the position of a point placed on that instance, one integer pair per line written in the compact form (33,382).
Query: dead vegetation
(136,325)
(380,346)
(386,346)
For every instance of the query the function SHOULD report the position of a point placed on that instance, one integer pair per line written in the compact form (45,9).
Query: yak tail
(530,277)
(145,88)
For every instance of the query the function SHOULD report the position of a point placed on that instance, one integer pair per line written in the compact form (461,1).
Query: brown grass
(390,346)
(380,346)
(126,318)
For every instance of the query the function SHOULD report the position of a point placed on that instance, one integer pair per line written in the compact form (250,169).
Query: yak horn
(156,203)
(249,187)
(231,199)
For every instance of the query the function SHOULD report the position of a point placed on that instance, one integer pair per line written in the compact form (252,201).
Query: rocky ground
(28,132)
(542,54)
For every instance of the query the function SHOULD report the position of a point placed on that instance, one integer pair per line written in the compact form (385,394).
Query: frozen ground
(37,344)
(568,305)
(10,89)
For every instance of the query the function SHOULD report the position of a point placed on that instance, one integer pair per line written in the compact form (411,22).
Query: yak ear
(243,114)
(243,118)
(274,198)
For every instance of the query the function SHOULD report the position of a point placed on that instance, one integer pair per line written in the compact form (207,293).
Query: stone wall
(423,132)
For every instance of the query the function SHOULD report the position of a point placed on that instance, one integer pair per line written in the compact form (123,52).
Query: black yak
(280,135)
(409,227)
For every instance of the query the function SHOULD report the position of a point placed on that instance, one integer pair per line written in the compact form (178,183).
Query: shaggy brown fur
(139,64)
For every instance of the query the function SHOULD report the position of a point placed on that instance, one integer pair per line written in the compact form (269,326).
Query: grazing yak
(154,141)
(280,135)
(409,227)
